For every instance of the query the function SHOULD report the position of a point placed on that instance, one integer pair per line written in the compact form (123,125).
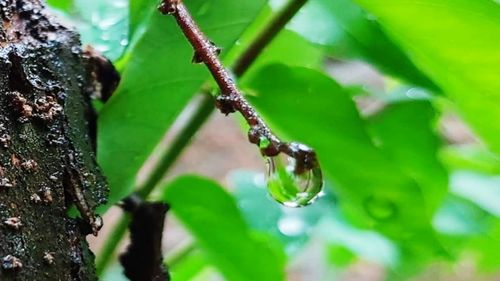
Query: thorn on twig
(224,104)
(197,58)
(168,7)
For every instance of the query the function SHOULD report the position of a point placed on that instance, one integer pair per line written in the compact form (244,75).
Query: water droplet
(124,42)
(292,226)
(380,209)
(291,183)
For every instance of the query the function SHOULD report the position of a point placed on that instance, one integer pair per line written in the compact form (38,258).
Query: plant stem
(201,113)
(181,254)
(266,36)
(231,98)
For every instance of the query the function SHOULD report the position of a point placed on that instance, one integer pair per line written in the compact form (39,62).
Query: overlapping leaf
(212,216)
(349,32)
(455,42)
(371,183)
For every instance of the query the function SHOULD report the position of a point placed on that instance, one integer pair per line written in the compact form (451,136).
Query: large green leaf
(188,267)
(470,157)
(299,52)
(312,108)
(296,227)
(405,133)
(349,32)
(456,43)
(140,11)
(292,226)
(63,5)
(102,24)
(157,83)
(212,216)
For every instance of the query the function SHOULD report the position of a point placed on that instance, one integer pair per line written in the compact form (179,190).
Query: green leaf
(470,157)
(63,5)
(188,267)
(349,32)
(291,49)
(157,83)
(485,251)
(140,11)
(102,24)
(299,51)
(367,245)
(404,132)
(291,226)
(213,218)
(340,256)
(312,108)
(455,42)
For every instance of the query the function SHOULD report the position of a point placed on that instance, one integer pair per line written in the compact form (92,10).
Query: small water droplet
(380,209)
(291,186)
(292,226)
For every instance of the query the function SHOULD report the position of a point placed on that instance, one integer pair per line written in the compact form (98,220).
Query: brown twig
(231,98)
(200,114)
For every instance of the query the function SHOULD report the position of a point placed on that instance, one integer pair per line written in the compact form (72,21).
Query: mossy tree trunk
(47,149)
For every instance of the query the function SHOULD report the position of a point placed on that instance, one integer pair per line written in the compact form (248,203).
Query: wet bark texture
(47,150)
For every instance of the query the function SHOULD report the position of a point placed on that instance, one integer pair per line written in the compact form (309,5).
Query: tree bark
(47,149)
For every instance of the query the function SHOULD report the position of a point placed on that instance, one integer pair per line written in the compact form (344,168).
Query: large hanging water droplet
(296,180)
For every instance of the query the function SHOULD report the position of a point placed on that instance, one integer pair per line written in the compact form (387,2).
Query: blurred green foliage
(401,193)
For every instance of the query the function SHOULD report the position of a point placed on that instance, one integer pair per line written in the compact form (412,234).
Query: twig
(143,259)
(231,98)
(201,113)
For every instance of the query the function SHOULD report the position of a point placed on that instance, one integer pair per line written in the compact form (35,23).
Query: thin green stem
(107,253)
(167,158)
(201,113)
(266,35)
(180,255)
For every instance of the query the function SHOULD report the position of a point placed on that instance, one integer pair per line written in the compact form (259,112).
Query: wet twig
(231,98)
(201,112)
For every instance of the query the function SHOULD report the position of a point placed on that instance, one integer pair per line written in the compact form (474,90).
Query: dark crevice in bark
(47,156)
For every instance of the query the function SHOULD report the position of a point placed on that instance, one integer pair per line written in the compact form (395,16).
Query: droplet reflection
(380,209)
